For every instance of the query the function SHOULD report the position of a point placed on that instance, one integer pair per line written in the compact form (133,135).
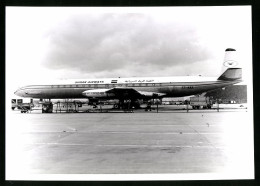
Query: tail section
(230,69)
(231,74)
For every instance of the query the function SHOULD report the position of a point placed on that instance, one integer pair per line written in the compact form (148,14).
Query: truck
(201,102)
(23,107)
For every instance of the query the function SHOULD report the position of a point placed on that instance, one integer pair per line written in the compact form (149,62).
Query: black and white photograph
(129,93)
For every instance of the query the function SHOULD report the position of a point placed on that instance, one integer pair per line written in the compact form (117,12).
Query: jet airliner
(136,88)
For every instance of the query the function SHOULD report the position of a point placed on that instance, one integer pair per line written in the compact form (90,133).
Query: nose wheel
(47,107)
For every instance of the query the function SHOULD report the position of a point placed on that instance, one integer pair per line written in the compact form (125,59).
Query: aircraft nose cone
(18,92)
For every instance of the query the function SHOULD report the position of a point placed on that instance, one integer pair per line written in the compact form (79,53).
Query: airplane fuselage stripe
(170,89)
(135,85)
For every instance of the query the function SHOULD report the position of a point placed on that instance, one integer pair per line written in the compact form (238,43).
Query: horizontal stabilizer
(231,74)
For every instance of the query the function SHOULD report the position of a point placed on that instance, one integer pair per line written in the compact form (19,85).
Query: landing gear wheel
(116,106)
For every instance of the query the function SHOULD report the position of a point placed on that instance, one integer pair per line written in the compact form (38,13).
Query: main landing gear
(127,104)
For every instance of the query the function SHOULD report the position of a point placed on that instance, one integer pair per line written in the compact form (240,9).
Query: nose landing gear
(47,107)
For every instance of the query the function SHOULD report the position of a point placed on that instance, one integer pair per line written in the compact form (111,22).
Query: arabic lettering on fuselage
(140,81)
(89,81)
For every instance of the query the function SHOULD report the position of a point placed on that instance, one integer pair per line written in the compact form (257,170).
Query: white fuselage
(167,86)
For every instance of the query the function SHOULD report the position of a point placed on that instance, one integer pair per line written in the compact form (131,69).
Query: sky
(46,43)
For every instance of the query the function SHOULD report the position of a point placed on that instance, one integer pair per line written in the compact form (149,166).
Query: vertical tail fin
(230,59)
(230,69)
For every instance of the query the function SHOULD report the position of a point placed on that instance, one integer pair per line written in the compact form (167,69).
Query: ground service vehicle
(200,102)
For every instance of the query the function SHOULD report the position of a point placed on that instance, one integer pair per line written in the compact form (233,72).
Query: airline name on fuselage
(89,81)
(126,81)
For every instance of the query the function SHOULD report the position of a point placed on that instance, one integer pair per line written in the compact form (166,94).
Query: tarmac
(180,142)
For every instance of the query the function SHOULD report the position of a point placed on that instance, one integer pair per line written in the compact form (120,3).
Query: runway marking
(159,125)
(124,132)
(113,145)
(206,139)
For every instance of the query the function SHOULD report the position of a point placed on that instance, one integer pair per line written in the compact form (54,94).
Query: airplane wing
(125,92)
(121,93)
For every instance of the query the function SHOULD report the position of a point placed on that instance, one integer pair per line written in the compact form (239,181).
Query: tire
(116,106)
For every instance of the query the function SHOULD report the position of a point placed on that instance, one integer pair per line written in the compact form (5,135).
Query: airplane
(135,88)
